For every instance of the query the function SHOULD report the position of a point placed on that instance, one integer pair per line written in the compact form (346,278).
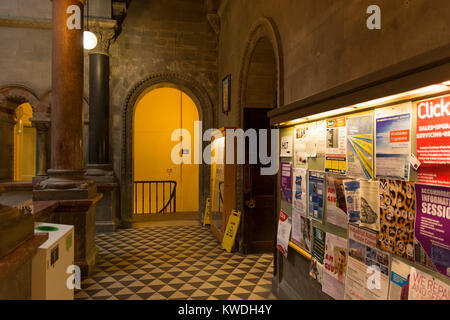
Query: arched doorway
(261,90)
(24,144)
(160,184)
(202,100)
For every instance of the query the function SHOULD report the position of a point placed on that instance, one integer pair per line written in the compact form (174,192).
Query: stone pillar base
(38,179)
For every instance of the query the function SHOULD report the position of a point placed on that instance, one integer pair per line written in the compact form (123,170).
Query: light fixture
(89,38)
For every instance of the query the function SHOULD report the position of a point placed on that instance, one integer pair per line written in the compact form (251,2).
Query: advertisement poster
(423,286)
(286,146)
(335,150)
(336,204)
(286,181)
(352,200)
(300,143)
(397,214)
(398,289)
(432,229)
(393,142)
(299,191)
(302,235)
(433,141)
(360,146)
(335,263)
(317,254)
(370,205)
(316,195)
(284,231)
(367,276)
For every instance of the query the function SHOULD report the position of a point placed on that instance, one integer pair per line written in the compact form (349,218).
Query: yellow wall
(24,144)
(157,115)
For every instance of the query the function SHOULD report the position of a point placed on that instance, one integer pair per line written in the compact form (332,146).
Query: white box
(49,266)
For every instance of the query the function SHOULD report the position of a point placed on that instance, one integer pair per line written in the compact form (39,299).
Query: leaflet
(423,286)
(352,199)
(335,263)
(360,146)
(370,205)
(336,204)
(317,254)
(335,152)
(284,231)
(398,289)
(286,181)
(316,195)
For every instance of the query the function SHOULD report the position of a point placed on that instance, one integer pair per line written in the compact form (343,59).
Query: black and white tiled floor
(174,262)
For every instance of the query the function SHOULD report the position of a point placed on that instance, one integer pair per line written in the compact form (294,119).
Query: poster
(335,262)
(299,191)
(352,200)
(316,195)
(284,231)
(286,181)
(393,142)
(360,146)
(302,236)
(300,143)
(335,152)
(398,289)
(317,254)
(423,286)
(432,227)
(370,205)
(367,276)
(286,146)
(336,204)
(397,214)
(433,141)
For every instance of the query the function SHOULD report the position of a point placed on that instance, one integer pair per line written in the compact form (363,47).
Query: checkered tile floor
(174,262)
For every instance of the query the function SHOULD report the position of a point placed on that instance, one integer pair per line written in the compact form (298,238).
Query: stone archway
(19,95)
(200,97)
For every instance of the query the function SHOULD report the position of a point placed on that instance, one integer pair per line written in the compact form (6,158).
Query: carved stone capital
(41,124)
(105,31)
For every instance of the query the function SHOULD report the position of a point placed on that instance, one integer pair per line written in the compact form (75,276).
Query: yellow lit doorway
(24,144)
(157,115)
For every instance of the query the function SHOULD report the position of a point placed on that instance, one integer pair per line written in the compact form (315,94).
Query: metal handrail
(171,202)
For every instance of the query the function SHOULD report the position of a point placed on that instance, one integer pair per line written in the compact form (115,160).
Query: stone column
(99,168)
(67,184)
(42,126)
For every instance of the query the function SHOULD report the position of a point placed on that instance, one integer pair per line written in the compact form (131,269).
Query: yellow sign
(230,232)
(207,216)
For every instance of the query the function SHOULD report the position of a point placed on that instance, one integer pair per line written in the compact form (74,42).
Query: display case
(223,183)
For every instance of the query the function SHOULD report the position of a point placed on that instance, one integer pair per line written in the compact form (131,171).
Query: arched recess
(19,95)
(263,33)
(202,100)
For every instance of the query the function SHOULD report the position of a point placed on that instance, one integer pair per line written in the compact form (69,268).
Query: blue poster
(316,195)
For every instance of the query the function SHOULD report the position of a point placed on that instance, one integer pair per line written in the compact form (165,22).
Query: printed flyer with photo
(353,200)
(423,286)
(286,146)
(367,276)
(370,205)
(393,141)
(432,227)
(284,232)
(317,254)
(302,236)
(336,204)
(397,215)
(301,140)
(335,150)
(335,263)
(286,181)
(433,141)
(360,146)
(398,289)
(316,195)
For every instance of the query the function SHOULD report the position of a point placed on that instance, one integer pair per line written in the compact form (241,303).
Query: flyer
(352,200)
(433,141)
(397,214)
(393,141)
(284,231)
(299,191)
(316,195)
(302,236)
(360,146)
(398,289)
(336,204)
(423,286)
(286,146)
(370,205)
(300,143)
(432,227)
(335,151)
(335,262)
(367,275)
(315,139)
(317,254)
(286,181)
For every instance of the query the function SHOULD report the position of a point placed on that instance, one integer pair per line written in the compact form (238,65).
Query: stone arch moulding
(21,94)
(263,28)
(205,107)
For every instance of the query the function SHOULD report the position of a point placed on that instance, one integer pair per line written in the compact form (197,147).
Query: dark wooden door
(259,193)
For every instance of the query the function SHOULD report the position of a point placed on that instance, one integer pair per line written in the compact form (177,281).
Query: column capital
(41,123)
(105,31)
